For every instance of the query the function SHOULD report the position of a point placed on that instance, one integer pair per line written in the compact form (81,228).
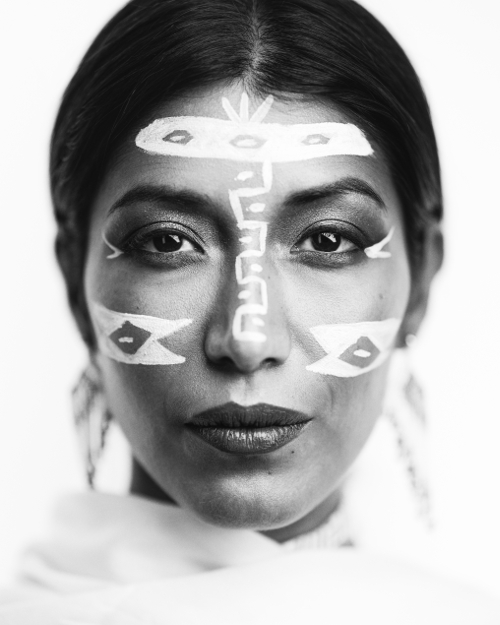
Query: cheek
(357,404)
(376,289)
(140,318)
(156,333)
(348,321)
(140,310)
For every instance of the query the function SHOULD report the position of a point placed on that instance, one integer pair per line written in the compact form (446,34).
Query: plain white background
(454,47)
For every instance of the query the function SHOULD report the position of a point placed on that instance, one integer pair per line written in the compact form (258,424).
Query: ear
(432,252)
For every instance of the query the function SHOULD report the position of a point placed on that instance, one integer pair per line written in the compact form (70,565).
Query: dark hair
(153,50)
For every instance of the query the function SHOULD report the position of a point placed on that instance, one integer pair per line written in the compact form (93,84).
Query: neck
(143,485)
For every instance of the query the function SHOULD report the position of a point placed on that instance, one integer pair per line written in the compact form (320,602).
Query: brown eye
(326,241)
(167,243)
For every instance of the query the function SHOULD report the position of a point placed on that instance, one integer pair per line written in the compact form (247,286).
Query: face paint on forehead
(354,348)
(135,339)
(251,141)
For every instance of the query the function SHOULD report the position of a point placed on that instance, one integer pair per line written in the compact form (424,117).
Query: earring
(92,418)
(405,410)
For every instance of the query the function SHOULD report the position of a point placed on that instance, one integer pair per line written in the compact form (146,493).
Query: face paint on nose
(354,348)
(248,204)
(135,339)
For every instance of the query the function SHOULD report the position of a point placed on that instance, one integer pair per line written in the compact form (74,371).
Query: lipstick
(257,429)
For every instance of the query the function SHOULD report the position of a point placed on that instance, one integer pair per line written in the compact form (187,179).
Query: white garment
(101,539)
(115,560)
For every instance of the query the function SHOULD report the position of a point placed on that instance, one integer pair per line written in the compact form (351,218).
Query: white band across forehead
(253,142)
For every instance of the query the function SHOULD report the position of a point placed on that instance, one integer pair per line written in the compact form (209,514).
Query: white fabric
(115,560)
(105,539)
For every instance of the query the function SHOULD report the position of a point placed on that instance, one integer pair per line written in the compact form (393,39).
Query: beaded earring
(92,418)
(405,410)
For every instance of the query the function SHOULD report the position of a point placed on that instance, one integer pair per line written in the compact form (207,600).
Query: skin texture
(292,489)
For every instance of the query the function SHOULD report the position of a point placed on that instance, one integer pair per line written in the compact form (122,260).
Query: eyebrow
(341,187)
(163,194)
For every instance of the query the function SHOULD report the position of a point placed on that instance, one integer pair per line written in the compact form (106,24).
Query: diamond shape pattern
(181,137)
(129,338)
(361,354)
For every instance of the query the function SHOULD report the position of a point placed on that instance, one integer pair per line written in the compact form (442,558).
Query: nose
(251,332)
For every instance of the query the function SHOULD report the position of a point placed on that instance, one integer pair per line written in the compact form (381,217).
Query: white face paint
(376,251)
(245,138)
(354,348)
(251,142)
(116,252)
(135,339)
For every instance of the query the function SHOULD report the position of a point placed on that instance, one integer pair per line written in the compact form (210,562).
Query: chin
(243,505)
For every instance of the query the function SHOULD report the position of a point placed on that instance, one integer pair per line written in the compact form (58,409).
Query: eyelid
(338,226)
(332,224)
(345,239)
(148,232)
(183,241)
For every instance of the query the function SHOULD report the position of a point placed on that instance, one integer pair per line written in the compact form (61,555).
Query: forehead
(196,142)
(230,126)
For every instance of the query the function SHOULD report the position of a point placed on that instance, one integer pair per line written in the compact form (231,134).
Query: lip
(257,429)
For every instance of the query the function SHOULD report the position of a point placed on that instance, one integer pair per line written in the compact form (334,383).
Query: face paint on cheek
(376,251)
(135,339)
(354,348)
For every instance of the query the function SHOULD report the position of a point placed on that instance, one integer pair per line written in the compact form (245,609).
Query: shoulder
(342,587)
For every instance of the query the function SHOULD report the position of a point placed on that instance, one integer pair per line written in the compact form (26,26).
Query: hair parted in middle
(155,50)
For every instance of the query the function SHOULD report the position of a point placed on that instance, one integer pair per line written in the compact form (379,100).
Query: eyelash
(175,258)
(179,258)
(345,231)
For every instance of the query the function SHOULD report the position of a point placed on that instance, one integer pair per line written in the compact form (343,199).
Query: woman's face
(237,287)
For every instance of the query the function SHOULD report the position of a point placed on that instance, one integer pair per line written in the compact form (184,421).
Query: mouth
(257,429)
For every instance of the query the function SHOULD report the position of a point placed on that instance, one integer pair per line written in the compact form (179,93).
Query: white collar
(101,538)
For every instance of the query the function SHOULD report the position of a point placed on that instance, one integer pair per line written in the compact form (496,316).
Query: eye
(166,243)
(327,242)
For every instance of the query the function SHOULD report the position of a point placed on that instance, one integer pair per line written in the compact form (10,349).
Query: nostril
(227,352)
(223,362)
(243,365)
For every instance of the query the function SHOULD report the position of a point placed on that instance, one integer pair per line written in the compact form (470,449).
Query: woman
(248,201)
